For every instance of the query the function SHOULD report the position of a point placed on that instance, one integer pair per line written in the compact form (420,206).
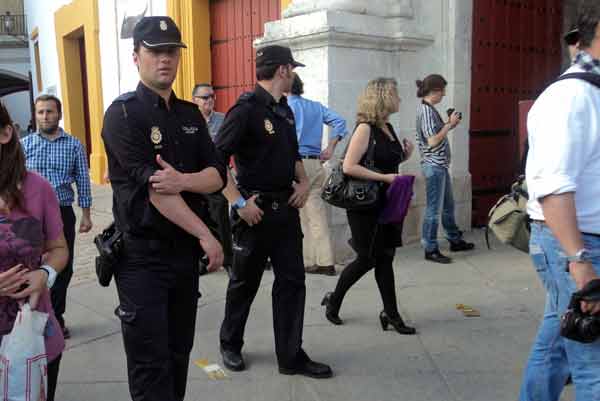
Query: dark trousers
(374,248)
(219,212)
(278,237)
(158,296)
(53,377)
(58,293)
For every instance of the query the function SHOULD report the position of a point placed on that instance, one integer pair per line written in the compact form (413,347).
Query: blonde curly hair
(376,102)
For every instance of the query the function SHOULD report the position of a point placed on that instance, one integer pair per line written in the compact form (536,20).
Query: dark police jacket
(261,134)
(137,127)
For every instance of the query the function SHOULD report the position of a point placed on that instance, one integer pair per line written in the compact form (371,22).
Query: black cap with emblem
(155,32)
(275,55)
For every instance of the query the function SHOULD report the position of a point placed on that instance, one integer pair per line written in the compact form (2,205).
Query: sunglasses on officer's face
(206,97)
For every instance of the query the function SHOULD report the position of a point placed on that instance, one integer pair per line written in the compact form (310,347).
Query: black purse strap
(368,159)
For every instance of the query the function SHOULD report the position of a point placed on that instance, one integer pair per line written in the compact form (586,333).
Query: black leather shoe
(461,245)
(233,360)
(309,368)
(331,313)
(437,257)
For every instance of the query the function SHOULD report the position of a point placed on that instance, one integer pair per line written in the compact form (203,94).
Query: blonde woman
(374,243)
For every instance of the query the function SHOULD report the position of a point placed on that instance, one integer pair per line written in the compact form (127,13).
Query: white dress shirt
(564,149)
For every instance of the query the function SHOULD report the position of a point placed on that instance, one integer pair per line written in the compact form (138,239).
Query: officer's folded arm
(174,208)
(167,180)
(207,181)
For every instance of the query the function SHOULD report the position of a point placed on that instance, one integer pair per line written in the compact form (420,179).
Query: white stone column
(345,43)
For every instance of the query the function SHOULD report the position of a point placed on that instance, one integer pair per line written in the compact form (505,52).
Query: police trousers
(158,296)
(58,293)
(278,237)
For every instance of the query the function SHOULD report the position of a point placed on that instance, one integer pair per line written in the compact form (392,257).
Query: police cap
(155,32)
(275,56)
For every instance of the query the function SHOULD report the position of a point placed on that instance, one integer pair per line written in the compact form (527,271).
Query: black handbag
(350,193)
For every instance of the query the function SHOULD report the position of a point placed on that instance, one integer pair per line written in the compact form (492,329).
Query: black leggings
(373,251)
(53,377)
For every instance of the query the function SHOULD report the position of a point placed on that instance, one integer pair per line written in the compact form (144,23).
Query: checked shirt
(61,161)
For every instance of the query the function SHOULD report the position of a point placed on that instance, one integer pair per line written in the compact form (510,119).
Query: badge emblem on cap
(163,25)
(269,127)
(155,135)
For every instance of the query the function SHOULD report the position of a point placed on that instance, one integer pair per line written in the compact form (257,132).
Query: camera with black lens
(109,244)
(577,325)
(451,110)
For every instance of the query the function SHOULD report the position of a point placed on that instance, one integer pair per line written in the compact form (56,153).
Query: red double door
(234,26)
(516,54)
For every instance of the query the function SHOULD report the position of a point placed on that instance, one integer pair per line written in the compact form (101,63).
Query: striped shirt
(429,123)
(62,161)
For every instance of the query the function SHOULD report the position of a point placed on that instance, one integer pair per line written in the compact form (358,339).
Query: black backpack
(589,77)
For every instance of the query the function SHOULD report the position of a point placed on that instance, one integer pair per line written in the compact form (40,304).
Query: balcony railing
(12,24)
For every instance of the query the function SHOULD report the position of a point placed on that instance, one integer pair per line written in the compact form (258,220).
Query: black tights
(372,253)
(53,377)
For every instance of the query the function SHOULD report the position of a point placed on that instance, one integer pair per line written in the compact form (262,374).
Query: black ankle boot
(397,323)
(331,313)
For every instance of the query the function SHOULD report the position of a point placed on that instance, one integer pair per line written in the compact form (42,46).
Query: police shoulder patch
(125,97)
(246,97)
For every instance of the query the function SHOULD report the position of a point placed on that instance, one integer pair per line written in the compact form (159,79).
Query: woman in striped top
(432,137)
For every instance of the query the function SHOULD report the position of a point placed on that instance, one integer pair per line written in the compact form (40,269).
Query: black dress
(387,157)
(374,243)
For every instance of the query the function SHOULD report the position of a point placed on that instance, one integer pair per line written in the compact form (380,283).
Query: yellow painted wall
(193,19)
(284,5)
(78,18)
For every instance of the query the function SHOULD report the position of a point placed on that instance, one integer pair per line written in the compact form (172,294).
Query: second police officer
(161,159)
(259,132)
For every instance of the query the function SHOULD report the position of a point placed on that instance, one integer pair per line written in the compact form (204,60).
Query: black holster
(110,245)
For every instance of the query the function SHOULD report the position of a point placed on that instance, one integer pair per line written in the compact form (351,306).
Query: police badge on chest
(156,137)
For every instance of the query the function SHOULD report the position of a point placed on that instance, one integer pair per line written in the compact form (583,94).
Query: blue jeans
(439,198)
(553,357)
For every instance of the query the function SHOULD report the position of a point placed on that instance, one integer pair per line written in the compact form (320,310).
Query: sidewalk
(452,358)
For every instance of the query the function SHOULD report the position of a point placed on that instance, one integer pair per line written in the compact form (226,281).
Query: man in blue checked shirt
(62,160)
(310,117)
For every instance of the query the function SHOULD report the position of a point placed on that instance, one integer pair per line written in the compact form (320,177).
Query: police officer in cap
(259,131)
(161,160)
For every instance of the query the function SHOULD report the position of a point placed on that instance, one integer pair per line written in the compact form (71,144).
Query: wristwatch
(51,274)
(581,256)
(240,203)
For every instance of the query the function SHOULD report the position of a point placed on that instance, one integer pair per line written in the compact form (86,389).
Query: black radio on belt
(110,245)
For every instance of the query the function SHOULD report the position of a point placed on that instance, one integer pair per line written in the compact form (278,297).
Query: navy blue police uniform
(157,276)
(260,133)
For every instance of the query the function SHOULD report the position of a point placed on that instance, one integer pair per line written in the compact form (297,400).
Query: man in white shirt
(563,179)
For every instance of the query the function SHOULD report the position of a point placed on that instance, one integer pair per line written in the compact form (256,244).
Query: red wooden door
(234,26)
(516,53)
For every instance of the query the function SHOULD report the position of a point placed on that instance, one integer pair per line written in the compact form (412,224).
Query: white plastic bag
(23,361)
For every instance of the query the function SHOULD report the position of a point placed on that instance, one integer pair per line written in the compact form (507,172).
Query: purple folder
(397,200)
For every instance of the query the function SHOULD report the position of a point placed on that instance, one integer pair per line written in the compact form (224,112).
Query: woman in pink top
(32,245)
